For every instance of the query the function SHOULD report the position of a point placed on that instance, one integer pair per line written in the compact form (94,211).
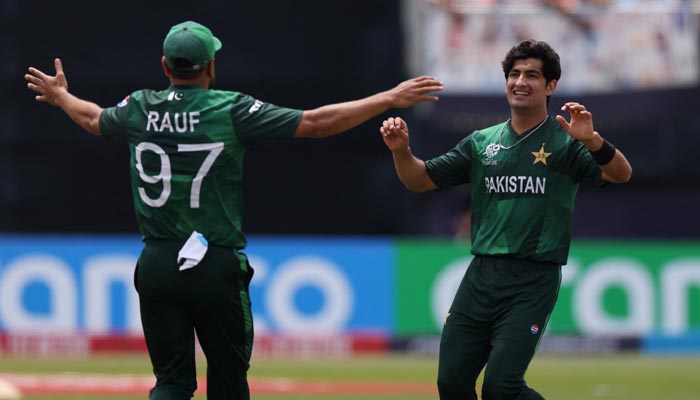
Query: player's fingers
(424,78)
(570,107)
(33,79)
(580,115)
(387,124)
(58,65)
(401,125)
(575,107)
(427,84)
(562,121)
(393,124)
(35,88)
(38,73)
(430,88)
(387,132)
(431,85)
(431,81)
(404,126)
(428,98)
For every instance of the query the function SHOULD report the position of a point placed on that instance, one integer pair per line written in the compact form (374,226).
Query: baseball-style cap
(189,46)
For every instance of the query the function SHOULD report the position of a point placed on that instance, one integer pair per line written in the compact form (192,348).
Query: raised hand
(412,91)
(581,125)
(54,90)
(395,134)
(47,87)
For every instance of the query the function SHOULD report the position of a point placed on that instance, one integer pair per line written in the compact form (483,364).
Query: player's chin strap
(193,251)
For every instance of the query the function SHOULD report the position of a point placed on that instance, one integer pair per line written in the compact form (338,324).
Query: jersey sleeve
(583,167)
(452,168)
(256,121)
(113,120)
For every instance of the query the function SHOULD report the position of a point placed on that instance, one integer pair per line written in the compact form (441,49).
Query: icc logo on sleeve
(124,102)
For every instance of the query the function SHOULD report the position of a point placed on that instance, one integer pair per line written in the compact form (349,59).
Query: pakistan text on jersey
(515,184)
(178,122)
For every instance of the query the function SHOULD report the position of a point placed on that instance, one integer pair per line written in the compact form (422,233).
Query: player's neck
(521,122)
(205,83)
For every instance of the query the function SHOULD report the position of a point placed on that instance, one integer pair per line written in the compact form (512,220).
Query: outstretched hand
(395,134)
(415,90)
(46,86)
(581,125)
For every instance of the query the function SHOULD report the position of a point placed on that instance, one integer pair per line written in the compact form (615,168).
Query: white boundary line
(129,384)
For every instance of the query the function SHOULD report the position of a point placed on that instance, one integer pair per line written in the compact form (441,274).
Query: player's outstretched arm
(617,169)
(54,90)
(336,118)
(410,169)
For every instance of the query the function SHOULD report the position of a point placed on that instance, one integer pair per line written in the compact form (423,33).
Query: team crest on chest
(490,152)
(541,156)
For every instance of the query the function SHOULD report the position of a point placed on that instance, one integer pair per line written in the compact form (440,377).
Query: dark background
(303,54)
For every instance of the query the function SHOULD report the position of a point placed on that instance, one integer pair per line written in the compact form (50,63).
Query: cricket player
(524,174)
(186,146)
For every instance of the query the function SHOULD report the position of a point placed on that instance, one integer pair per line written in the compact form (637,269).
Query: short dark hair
(551,68)
(185,73)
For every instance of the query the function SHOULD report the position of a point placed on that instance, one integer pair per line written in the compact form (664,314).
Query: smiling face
(526,86)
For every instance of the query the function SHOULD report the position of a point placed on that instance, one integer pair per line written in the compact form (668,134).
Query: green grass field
(618,377)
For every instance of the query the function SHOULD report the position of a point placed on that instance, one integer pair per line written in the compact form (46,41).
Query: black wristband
(604,154)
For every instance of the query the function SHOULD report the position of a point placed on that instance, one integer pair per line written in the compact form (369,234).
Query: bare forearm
(412,172)
(82,112)
(335,118)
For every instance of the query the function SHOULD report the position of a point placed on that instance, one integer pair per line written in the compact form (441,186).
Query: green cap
(189,46)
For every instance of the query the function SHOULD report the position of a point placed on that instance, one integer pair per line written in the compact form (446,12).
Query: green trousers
(210,300)
(496,320)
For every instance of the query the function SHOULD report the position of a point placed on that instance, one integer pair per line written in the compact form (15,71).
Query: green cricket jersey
(522,198)
(187,146)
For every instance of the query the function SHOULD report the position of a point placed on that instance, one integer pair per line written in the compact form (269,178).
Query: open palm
(46,86)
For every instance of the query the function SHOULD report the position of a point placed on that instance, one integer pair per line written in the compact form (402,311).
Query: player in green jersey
(524,174)
(187,144)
